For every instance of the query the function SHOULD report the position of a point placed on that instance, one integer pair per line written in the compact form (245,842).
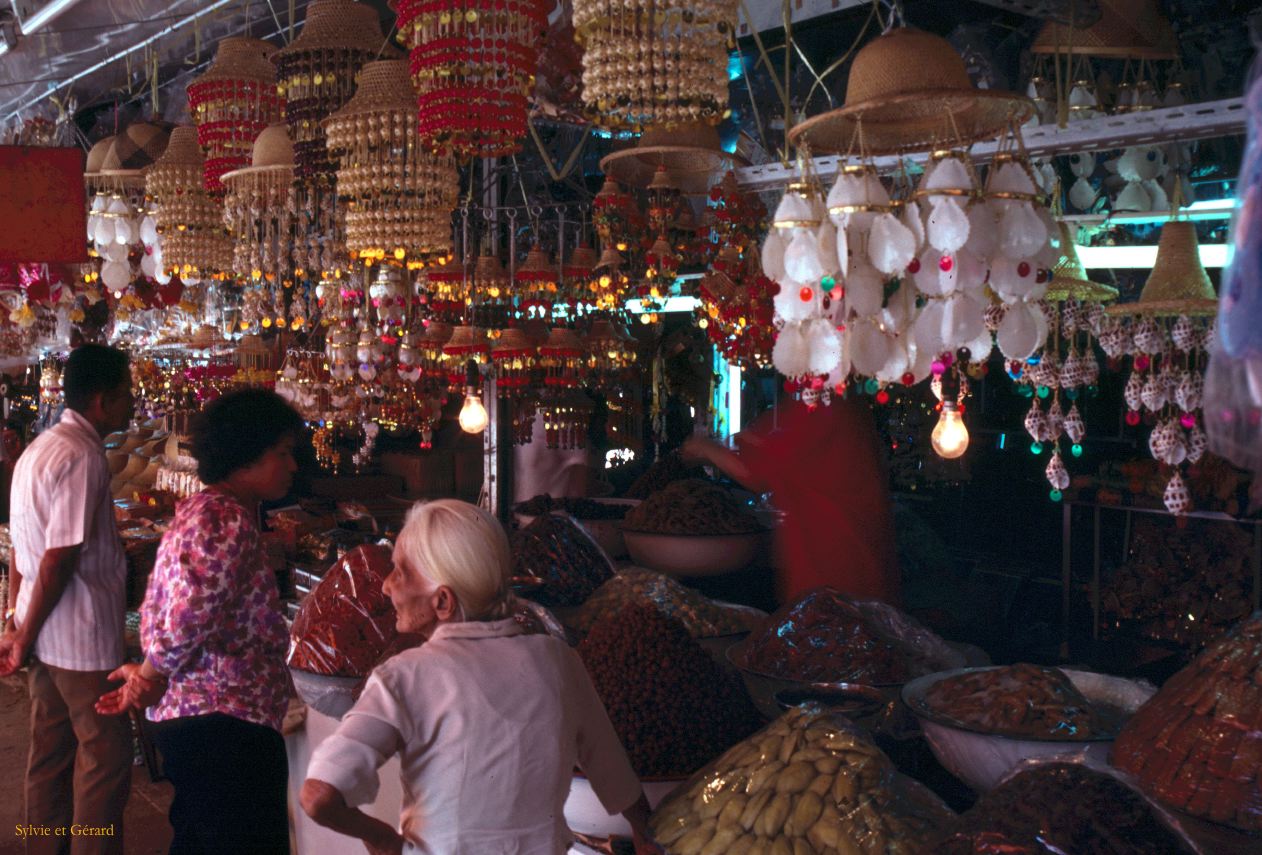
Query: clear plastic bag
(1064,805)
(557,550)
(345,624)
(810,778)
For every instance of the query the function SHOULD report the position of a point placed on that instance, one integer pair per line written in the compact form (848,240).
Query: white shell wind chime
(1167,333)
(1065,367)
(891,284)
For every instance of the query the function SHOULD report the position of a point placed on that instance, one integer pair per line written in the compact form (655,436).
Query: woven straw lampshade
(258,210)
(130,153)
(232,103)
(96,156)
(690,153)
(1178,283)
(1069,278)
(399,194)
(188,217)
(909,90)
(1127,29)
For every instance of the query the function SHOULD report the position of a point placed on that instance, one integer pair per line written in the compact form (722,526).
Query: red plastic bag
(345,625)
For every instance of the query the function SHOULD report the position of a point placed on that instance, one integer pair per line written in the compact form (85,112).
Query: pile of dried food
(1022,700)
(673,706)
(666,469)
(1197,744)
(582,509)
(347,622)
(1060,808)
(692,506)
(807,783)
(825,637)
(701,616)
(556,550)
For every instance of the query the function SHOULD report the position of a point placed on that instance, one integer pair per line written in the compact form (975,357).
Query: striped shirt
(61,497)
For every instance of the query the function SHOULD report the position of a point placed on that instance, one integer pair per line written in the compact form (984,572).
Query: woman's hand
(697,449)
(326,806)
(387,846)
(136,693)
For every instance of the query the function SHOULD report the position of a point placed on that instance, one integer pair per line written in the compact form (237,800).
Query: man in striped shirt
(68,579)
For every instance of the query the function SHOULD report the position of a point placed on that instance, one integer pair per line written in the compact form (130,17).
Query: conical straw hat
(582,260)
(383,86)
(909,90)
(1127,29)
(273,152)
(1178,283)
(241,58)
(1069,278)
(338,25)
(691,154)
(182,149)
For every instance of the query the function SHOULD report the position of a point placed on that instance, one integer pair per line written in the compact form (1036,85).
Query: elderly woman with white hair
(490,722)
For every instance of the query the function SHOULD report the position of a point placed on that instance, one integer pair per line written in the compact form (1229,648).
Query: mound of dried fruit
(692,506)
(807,783)
(667,468)
(1022,700)
(673,706)
(702,617)
(1060,807)
(581,509)
(555,549)
(1197,743)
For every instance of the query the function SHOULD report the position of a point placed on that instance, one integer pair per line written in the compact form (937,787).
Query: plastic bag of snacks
(809,782)
(1063,805)
(825,637)
(1197,744)
(557,550)
(347,622)
(674,708)
(701,616)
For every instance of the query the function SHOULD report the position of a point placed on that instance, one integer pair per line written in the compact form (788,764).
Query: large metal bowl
(332,696)
(981,758)
(693,554)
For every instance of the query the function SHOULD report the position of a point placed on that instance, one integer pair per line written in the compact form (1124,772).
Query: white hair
(461,546)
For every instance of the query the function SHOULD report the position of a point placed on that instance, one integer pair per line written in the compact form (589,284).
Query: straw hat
(1069,278)
(338,25)
(1178,283)
(134,150)
(512,342)
(182,149)
(240,58)
(583,259)
(691,154)
(96,156)
(383,86)
(273,152)
(909,90)
(1127,29)
(466,339)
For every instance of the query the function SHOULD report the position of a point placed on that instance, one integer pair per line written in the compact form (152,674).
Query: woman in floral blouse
(214,638)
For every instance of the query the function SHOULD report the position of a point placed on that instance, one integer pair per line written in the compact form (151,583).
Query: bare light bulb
(473,417)
(950,436)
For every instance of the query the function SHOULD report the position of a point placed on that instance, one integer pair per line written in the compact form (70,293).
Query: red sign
(43,216)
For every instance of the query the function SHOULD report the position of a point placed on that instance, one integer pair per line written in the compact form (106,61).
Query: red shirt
(825,472)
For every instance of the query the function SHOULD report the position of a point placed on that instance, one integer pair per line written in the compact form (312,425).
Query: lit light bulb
(473,417)
(950,436)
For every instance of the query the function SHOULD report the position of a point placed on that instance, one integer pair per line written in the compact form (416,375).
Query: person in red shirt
(824,469)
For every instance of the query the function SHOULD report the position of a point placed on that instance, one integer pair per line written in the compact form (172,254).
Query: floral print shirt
(211,619)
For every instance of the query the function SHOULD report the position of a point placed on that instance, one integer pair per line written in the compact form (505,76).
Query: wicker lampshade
(909,90)
(1069,278)
(1178,284)
(689,153)
(1127,29)
(259,211)
(232,103)
(399,195)
(188,217)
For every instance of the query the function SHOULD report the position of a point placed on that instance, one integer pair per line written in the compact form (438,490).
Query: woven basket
(690,153)
(182,149)
(338,25)
(512,342)
(241,58)
(132,152)
(1069,278)
(583,258)
(383,86)
(96,156)
(1178,283)
(273,152)
(909,90)
(1127,29)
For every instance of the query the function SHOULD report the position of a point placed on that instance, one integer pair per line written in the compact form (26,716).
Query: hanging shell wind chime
(190,219)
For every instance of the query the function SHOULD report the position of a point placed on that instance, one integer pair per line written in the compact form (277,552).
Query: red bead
(1142,362)
(914,267)
(1132,418)
(945,263)
(909,378)
(1023,269)
(806,294)
(882,397)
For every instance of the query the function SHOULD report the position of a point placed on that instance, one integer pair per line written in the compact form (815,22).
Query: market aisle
(146,819)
